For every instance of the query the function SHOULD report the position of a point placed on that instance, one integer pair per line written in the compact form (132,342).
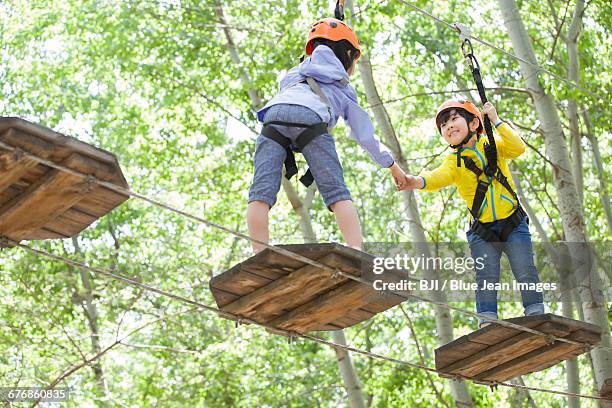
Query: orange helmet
(465,105)
(334,30)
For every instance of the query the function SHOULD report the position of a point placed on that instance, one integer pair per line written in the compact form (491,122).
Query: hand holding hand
(412,183)
(489,110)
(399,177)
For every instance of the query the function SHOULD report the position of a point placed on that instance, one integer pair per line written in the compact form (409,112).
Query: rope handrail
(291,334)
(290,254)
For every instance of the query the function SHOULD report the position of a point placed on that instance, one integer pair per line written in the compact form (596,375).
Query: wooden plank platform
(273,289)
(39,202)
(606,389)
(498,353)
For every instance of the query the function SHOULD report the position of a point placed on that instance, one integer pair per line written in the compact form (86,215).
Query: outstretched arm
(436,179)
(362,131)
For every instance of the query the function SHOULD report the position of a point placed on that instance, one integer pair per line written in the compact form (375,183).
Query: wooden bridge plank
(34,197)
(87,165)
(352,317)
(478,340)
(281,293)
(506,350)
(13,168)
(70,222)
(43,201)
(242,284)
(293,285)
(538,359)
(27,142)
(100,201)
(326,308)
(606,389)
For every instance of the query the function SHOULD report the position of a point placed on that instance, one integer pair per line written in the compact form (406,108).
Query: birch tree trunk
(591,294)
(444,321)
(91,313)
(345,363)
(571,42)
(601,174)
(573,384)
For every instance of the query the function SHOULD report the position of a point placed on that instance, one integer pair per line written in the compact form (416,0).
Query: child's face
(456,128)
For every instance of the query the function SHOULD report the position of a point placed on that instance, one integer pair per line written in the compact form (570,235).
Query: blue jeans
(519,250)
(320,154)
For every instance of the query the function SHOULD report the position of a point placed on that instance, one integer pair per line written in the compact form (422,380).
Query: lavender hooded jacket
(327,70)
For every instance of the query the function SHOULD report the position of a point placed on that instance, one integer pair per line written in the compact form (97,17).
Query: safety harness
(491,169)
(310,131)
(308,135)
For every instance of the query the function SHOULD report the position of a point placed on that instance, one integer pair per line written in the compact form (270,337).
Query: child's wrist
(498,122)
(423,182)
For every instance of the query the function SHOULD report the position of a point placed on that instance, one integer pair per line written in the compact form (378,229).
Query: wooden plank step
(480,356)
(70,222)
(280,291)
(494,333)
(606,389)
(284,293)
(42,202)
(38,201)
(27,142)
(327,308)
(539,359)
(13,166)
(352,317)
(505,351)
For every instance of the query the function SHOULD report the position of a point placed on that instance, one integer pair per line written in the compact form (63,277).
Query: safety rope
(334,272)
(501,50)
(339,11)
(490,149)
(290,333)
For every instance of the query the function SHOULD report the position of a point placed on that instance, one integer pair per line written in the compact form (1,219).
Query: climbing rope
(333,271)
(501,50)
(290,334)
(491,148)
(339,11)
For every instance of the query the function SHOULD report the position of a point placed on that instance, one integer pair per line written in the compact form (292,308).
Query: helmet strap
(464,141)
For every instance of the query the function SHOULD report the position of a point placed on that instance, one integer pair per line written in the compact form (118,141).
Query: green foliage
(154,82)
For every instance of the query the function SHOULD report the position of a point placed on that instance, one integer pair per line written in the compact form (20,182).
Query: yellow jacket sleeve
(509,143)
(441,177)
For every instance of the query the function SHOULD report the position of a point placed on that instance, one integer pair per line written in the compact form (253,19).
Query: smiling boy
(498,221)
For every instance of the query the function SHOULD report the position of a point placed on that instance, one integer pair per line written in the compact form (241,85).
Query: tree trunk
(591,295)
(345,363)
(601,175)
(347,370)
(444,321)
(522,394)
(574,74)
(533,219)
(231,46)
(573,384)
(301,208)
(91,313)
(571,366)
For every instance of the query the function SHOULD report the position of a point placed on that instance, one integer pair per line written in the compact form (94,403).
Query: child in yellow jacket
(497,216)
